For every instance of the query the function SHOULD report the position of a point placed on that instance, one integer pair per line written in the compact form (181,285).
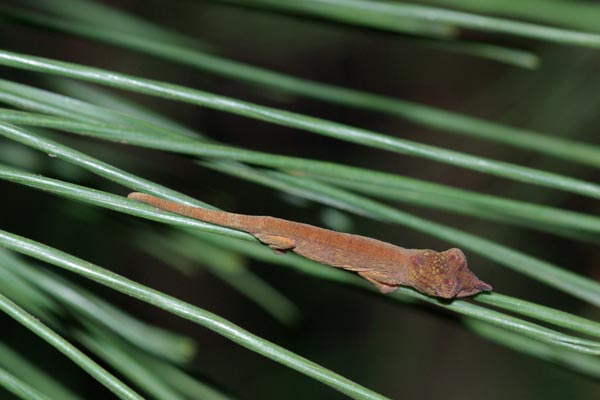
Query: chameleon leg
(279,244)
(383,288)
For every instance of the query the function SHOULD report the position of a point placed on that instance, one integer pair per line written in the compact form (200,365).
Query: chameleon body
(439,274)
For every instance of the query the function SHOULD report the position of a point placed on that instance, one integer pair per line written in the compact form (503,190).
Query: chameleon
(438,274)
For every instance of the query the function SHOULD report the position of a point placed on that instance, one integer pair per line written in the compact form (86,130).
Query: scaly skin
(439,274)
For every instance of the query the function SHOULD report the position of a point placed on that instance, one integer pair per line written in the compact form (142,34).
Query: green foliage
(304,122)
(153,359)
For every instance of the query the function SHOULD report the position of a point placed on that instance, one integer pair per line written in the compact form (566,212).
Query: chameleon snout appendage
(440,274)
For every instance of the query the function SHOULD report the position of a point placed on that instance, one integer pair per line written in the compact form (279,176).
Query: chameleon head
(444,274)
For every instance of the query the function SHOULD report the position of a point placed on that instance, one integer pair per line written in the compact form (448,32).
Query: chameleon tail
(236,221)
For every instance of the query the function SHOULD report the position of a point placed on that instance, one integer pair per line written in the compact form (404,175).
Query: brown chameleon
(440,274)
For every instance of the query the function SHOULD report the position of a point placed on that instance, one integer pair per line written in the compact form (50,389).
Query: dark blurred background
(402,351)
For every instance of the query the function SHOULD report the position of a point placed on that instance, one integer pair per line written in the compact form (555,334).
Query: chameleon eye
(454,254)
(456,258)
